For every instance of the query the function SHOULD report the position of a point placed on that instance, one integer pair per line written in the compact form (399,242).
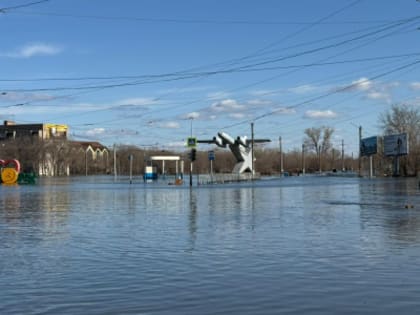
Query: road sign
(211,155)
(191,142)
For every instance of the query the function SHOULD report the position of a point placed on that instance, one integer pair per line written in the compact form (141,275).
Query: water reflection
(391,206)
(192,218)
(43,212)
(300,246)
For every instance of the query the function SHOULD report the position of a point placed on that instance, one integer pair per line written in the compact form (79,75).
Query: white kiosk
(151,173)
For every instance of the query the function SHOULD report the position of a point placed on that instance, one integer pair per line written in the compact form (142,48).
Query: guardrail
(206,179)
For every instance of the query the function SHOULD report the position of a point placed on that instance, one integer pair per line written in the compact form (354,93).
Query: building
(46,149)
(94,155)
(11,130)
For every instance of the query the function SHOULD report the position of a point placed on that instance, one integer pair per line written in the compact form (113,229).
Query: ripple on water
(304,245)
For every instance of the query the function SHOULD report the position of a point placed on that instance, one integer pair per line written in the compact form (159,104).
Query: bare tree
(318,139)
(401,118)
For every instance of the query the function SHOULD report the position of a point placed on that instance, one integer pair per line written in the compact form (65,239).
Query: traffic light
(193,154)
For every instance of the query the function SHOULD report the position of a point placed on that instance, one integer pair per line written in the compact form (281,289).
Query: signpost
(130,158)
(369,147)
(396,145)
(211,159)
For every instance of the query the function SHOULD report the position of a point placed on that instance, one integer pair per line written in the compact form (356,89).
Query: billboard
(396,144)
(369,146)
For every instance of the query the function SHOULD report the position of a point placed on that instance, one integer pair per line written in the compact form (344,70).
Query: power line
(7,9)
(306,27)
(200,74)
(243,70)
(202,21)
(342,89)
(183,76)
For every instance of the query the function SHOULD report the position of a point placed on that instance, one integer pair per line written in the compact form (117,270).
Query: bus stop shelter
(179,169)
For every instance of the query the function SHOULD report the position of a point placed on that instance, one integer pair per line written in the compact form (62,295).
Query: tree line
(316,154)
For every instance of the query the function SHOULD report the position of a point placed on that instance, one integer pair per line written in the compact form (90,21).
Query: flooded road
(302,245)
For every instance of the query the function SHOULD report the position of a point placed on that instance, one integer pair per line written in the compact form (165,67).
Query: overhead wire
(325,95)
(258,82)
(25,5)
(239,70)
(236,60)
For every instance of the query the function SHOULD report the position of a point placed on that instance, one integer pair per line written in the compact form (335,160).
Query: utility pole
(360,151)
(281,157)
(252,149)
(191,156)
(303,159)
(342,155)
(130,157)
(319,150)
(115,163)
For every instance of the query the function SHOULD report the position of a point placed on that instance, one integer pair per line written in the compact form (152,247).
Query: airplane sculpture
(241,148)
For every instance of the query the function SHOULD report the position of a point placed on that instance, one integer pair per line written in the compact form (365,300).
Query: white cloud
(27,97)
(227,105)
(177,90)
(138,101)
(362,84)
(95,132)
(124,132)
(192,115)
(374,95)
(218,95)
(415,85)
(263,92)
(32,50)
(416,101)
(31,109)
(392,85)
(302,89)
(371,90)
(284,111)
(319,114)
(170,125)
(237,115)
(259,102)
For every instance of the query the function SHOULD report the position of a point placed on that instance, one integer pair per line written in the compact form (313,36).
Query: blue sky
(142,72)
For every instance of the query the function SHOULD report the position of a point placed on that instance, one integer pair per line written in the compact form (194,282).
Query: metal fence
(206,179)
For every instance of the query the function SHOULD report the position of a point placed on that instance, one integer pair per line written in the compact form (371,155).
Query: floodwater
(298,245)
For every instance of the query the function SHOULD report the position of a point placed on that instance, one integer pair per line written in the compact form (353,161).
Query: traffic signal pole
(191,170)
(192,159)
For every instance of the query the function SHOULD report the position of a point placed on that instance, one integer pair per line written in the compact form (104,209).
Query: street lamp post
(303,159)
(191,160)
